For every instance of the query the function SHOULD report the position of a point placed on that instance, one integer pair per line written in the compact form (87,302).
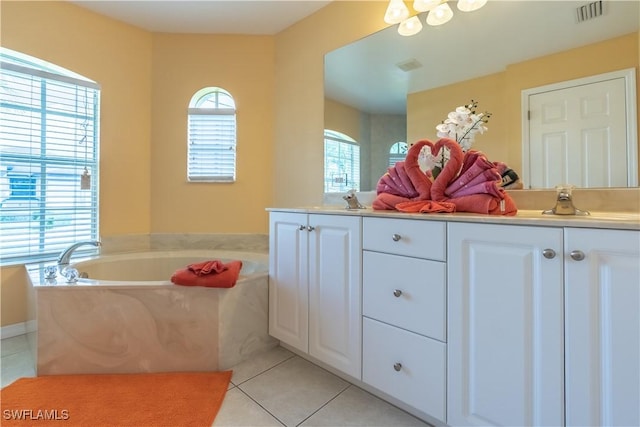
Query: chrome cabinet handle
(397,293)
(302,227)
(549,253)
(310,228)
(396,237)
(577,255)
(397,366)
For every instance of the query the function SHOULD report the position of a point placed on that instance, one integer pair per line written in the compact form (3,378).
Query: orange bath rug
(101,400)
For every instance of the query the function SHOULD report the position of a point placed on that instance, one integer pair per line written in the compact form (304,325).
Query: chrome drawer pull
(577,255)
(397,293)
(397,366)
(396,237)
(310,228)
(302,227)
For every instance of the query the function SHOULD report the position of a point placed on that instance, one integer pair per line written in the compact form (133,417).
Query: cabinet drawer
(417,238)
(405,292)
(418,380)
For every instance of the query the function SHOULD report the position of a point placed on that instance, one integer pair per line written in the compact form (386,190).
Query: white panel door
(505,346)
(288,279)
(602,327)
(578,135)
(335,270)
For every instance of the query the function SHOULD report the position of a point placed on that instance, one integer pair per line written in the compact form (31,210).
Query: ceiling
(254,17)
(365,74)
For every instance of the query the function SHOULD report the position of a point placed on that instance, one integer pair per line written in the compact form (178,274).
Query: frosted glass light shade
(470,5)
(396,12)
(410,26)
(440,15)
(425,5)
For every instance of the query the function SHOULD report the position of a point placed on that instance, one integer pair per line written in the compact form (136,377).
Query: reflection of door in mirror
(581,132)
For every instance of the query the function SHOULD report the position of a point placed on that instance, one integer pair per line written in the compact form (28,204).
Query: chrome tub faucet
(65,255)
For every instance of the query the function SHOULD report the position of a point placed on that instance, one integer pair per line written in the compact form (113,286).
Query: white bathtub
(128,317)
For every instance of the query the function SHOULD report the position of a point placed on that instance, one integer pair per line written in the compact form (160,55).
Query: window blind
(48,136)
(212,145)
(341,165)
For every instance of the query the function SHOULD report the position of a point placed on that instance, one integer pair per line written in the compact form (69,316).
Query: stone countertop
(607,220)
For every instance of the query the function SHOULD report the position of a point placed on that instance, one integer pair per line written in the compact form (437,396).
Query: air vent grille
(408,65)
(589,11)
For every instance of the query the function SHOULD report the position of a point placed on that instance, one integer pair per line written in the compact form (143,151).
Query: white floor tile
(293,390)
(239,410)
(259,364)
(356,407)
(14,366)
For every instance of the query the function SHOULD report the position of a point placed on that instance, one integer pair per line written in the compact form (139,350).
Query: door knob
(396,237)
(397,293)
(549,253)
(577,255)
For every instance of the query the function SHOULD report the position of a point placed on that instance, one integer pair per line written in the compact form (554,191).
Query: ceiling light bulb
(470,5)
(425,5)
(410,26)
(440,15)
(397,12)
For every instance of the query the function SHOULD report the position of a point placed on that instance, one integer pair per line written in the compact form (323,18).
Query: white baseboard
(17,329)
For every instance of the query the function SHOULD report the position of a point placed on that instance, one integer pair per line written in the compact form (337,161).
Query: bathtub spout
(65,256)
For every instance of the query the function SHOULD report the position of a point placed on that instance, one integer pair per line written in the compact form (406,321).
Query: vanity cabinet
(404,311)
(602,314)
(315,281)
(543,326)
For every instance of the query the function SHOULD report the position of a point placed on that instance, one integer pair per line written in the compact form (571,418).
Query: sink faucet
(564,203)
(352,200)
(65,256)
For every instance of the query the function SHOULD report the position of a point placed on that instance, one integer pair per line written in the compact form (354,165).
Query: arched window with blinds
(341,162)
(397,152)
(211,154)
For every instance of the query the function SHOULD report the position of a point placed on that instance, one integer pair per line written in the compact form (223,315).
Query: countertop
(607,220)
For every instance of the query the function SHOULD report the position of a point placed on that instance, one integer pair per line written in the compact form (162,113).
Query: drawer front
(405,292)
(416,238)
(418,380)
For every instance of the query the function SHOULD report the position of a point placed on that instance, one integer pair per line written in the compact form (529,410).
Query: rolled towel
(486,187)
(480,165)
(226,277)
(426,206)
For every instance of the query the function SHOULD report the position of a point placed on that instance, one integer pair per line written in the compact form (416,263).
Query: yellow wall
(500,94)
(342,118)
(182,65)
(298,156)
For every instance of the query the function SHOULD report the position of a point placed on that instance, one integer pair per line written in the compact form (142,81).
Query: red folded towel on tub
(210,274)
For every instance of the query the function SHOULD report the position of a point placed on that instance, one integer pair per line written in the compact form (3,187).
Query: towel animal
(211,274)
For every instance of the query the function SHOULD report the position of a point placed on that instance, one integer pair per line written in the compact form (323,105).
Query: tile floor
(276,388)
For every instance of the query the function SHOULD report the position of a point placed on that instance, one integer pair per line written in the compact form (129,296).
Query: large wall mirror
(386,90)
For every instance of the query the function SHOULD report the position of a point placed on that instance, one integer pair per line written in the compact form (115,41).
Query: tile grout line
(263,408)
(329,401)
(266,370)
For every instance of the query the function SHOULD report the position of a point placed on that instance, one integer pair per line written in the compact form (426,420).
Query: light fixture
(470,5)
(410,26)
(425,5)
(397,12)
(440,15)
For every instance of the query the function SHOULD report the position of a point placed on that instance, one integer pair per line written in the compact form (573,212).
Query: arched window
(397,152)
(211,155)
(341,162)
(49,149)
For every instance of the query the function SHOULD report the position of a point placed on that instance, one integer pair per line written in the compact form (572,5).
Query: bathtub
(128,317)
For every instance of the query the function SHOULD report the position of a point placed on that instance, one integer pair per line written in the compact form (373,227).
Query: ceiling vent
(589,11)
(409,65)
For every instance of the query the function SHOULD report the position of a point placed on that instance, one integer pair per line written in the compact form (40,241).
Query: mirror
(375,88)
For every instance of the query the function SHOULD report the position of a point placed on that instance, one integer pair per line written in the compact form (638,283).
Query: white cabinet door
(335,260)
(602,304)
(505,344)
(288,279)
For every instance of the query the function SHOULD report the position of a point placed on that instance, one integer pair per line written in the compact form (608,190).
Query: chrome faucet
(65,256)
(352,201)
(564,203)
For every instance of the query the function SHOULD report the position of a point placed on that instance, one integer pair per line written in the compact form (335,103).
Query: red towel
(426,206)
(210,274)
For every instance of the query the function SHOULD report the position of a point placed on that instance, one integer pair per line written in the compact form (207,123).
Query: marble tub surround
(111,326)
(252,242)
